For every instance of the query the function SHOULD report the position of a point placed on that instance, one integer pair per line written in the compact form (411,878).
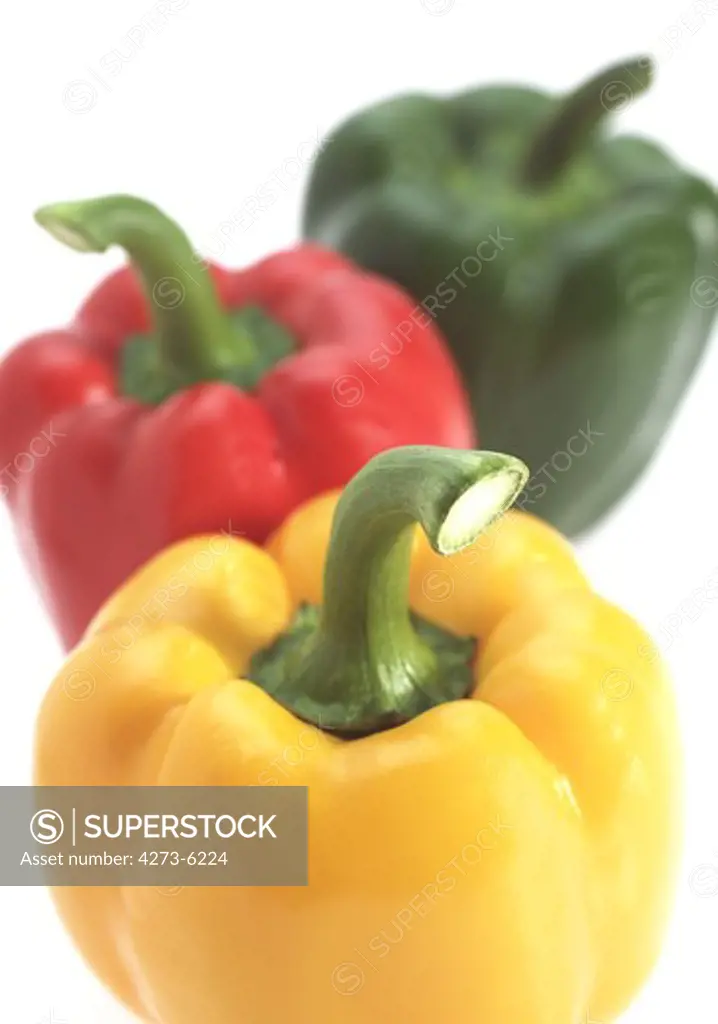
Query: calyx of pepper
(359,665)
(193,339)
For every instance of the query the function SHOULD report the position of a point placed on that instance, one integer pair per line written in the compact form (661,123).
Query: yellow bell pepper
(493,828)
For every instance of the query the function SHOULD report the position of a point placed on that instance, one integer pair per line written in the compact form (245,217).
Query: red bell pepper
(187,399)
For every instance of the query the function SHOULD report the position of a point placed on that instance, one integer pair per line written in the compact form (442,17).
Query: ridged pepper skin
(185,399)
(572,272)
(507,858)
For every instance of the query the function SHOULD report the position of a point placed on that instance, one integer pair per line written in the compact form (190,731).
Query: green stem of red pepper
(569,128)
(194,333)
(365,668)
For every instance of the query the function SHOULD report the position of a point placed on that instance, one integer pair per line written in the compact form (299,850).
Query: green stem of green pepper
(194,332)
(578,116)
(365,668)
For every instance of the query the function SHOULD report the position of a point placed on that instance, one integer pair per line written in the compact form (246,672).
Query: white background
(207,106)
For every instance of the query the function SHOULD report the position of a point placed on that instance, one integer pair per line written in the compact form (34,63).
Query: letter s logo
(47,827)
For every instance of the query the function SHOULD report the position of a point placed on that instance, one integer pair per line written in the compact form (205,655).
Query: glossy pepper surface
(186,398)
(572,272)
(493,830)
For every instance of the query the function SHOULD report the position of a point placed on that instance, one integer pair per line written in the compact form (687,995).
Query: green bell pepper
(570,271)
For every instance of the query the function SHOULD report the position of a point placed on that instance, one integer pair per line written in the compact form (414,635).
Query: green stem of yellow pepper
(365,668)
